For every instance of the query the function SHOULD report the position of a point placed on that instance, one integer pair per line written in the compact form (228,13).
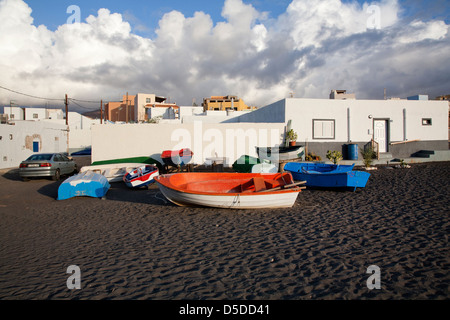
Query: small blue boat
(327,175)
(85,184)
(318,167)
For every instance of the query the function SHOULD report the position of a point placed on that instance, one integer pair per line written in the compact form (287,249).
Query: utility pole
(66,102)
(126,110)
(101,111)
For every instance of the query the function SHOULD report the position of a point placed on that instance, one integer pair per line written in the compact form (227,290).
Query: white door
(380,134)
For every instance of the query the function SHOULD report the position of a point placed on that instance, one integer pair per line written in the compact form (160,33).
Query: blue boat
(327,175)
(85,184)
(317,167)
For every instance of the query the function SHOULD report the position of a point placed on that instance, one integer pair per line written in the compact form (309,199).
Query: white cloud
(315,46)
(418,31)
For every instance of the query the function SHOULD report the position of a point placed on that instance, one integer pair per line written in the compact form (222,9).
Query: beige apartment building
(223,103)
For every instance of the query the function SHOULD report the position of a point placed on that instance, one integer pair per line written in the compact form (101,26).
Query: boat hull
(245,164)
(140,176)
(113,172)
(264,168)
(207,192)
(318,167)
(86,184)
(177,158)
(277,154)
(349,179)
(327,175)
(230,201)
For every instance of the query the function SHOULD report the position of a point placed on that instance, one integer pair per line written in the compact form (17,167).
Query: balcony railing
(376,147)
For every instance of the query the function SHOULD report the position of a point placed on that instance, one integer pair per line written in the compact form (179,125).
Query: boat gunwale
(171,186)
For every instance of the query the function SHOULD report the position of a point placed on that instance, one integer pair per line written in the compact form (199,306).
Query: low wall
(402,150)
(230,140)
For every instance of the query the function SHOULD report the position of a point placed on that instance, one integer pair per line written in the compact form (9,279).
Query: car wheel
(57,175)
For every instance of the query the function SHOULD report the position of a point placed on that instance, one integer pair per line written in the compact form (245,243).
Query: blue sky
(265,55)
(141,13)
(144,15)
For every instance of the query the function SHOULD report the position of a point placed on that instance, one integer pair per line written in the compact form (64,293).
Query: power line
(29,95)
(42,98)
(55,99)
(86,101)
(73,100)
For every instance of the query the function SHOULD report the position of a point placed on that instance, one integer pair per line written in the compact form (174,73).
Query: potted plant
(311,156)
(334,156)
(292,136)
(368,155)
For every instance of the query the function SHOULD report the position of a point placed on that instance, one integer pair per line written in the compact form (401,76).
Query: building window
(426,121)
(12,116)
(148,100)
(35,116)
(323,129)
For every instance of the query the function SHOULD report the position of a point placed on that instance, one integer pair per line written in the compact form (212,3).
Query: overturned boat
(177,157)
(85,184)
(141,176)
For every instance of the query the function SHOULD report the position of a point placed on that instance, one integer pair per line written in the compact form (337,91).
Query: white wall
(211,116)
(164,113)
(230,140)
(41,113)
(186,111)
(16,143)
(54,114)
(14,113)
(80,129)
(275,113)
(303,111)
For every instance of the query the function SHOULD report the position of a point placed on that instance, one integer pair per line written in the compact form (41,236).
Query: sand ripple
(136,245)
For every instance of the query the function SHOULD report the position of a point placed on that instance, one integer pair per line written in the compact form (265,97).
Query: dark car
(52,165)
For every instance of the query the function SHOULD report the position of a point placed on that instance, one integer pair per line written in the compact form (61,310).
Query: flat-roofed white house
(399,127)
(148,106)
(37,130)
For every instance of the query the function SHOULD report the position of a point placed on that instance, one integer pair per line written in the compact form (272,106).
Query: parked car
(85,152)
(52,165)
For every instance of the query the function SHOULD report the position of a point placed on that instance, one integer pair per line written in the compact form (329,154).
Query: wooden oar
(286,187)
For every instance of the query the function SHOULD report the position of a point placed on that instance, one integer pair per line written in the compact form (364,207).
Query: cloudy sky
(261,50)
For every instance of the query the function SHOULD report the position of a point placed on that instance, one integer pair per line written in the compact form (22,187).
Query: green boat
(245,164)
(146,160)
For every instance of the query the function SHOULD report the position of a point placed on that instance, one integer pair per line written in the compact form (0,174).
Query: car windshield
(40,157)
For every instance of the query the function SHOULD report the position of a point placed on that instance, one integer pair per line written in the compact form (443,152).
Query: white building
(146,106)
(46,131)
(14,113)
(400,127)
(20,139)
(23,113)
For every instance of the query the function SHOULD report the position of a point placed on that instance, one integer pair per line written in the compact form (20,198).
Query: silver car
(52,165)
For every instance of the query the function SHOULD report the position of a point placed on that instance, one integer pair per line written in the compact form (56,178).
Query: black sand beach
(136,245)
